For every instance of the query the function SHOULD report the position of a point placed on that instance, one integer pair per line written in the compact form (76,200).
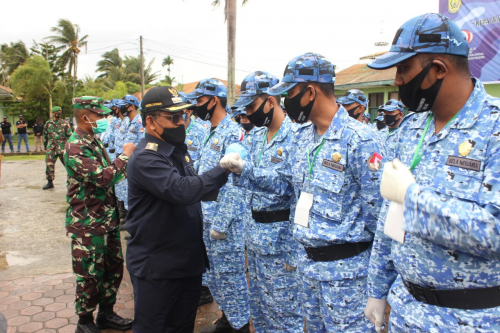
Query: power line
(101,52)
(107,47)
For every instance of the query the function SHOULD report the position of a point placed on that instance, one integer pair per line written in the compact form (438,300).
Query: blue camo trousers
(226,278)
(274,294)
(335,306)
(122,192)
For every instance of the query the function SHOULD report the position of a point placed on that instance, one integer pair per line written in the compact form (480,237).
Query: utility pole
(142,70)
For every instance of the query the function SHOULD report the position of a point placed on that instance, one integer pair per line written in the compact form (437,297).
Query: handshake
(233,162)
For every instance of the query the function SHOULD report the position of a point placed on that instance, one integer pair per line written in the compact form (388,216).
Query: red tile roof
(189,87)
(362,76)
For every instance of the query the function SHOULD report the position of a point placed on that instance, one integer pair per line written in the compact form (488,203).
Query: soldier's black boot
(86,325)
(244,329)
(206,296)
(106,318)
(49,185)
(221,326)
(122,212)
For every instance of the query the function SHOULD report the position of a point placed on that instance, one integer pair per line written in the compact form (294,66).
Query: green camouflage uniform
(55,134)
(92,218)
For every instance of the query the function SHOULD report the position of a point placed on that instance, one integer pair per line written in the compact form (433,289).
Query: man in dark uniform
(7,134)
(166,255)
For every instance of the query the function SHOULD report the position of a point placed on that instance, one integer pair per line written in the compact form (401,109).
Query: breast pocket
(457,183)
(328,200)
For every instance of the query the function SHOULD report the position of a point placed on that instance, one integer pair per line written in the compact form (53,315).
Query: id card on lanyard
(306,198)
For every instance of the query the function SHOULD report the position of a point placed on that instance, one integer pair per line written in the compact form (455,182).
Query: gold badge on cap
(464,148)
(152,146)
(190,142)
(187,159)
(336,157)
(216,141)
(280,151)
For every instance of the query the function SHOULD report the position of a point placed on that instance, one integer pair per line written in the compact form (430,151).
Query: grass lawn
(23,158)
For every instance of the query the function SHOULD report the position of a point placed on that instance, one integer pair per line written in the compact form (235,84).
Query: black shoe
(244,329)
(49,185)
(122,212)
(206,296)
(112,320)
(88,327)
(221,326)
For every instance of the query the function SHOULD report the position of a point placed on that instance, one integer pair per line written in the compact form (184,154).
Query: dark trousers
(165,305)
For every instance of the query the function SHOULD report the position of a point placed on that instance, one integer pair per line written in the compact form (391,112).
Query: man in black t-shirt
(7,134)
(38,132)
(21,126)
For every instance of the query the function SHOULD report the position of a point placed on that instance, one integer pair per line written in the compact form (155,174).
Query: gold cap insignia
(152,146)
(216,141)
(190,142)
(187,159)
(280,151)
(464,148)
(336,157)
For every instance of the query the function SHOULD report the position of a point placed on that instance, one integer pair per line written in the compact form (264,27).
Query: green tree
(133,69)
(11,57)
(51,54)
(169,80)
(34,80)
(118,91)
(168,61)
(90,87)
(132,87)
(68,35)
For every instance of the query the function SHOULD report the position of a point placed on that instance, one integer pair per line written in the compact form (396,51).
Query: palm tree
(11,57)
(35,80)
(111,62)
(169,80)
(230,18)
(133,69)
(68,34)
(167,62)
(51,54)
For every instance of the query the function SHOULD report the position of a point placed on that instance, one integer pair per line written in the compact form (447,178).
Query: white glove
(234,163)
(290,268)
(223,162)
(375,312)
(217,235)
(395,181)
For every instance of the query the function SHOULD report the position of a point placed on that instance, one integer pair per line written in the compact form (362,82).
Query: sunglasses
(175,118)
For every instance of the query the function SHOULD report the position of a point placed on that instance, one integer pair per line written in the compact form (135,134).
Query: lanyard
(208,138)
(417,156)
(311,165)
(189,127)
(264,143)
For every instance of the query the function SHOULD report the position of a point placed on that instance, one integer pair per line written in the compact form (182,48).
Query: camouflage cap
(428,33)
(392,105)
(208,87)
(56,109)
(91,103)
(239,111)
(131,99)
(309,67)
(354,96)
(108,104)
(380,118)
(255,84)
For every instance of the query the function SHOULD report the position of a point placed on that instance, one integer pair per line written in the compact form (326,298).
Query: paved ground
(36,283)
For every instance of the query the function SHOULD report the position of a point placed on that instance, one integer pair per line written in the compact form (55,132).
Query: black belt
(466,299)
(112,151)
(271,217)
(337,251)
(212,196)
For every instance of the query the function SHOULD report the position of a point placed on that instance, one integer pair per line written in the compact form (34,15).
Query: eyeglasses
(175,118)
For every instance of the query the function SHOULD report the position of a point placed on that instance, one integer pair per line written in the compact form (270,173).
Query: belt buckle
(418,293)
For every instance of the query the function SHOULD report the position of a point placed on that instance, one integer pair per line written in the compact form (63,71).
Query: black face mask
(247,126)
(391,120)
(203,112)
(352,111)
(297,112)
(124,111)
(380,125)
(417,99)
(57,116)
(259,118)
(175,136)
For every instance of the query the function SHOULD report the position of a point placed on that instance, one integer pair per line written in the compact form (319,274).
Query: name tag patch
(214,147)
(276,160)
(465,163)
(192,148)
(333,165)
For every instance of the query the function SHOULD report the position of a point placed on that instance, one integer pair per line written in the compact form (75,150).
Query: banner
(480,23)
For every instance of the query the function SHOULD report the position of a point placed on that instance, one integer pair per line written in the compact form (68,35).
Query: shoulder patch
(152,146)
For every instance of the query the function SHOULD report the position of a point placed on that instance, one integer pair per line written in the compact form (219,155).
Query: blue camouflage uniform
(120,137)
(387,135)
(452,212)
(195,134)
(344,181)
(226,279)
(274,291)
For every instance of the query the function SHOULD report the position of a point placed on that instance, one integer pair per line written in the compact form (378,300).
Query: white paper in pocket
(303,209)
(394,222)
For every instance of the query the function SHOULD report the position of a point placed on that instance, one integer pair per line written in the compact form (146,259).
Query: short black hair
(328,89)
(223,101)
(266,96)
(459,63)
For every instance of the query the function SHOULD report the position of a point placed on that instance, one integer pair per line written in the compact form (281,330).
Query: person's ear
(312,92)
(441,68)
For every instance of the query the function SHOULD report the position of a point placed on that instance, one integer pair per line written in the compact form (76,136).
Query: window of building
(376,99)
(394,95)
